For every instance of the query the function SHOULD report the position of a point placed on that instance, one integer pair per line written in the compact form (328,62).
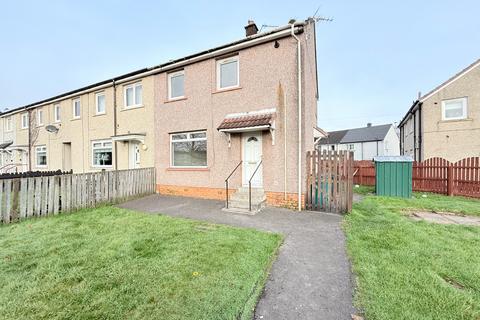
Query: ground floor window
(102,153)
(189,149)
(41,156)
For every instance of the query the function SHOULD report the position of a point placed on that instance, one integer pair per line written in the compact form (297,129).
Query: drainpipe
(285,146)
(299,76)
(115,121)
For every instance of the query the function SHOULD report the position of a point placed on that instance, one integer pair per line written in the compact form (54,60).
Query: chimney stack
(369,125)
(251,28)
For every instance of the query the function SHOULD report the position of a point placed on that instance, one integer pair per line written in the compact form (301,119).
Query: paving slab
(311,278)
(446,218)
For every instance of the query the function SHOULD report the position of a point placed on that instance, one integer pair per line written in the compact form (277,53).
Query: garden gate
(329,181)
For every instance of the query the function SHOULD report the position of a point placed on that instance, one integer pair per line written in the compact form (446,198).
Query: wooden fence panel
(329,179)
(21,198)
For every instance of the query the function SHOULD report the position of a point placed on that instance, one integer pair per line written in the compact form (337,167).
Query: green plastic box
(393,176)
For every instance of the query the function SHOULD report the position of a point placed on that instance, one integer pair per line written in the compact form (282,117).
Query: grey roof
(333,137)
(365,134)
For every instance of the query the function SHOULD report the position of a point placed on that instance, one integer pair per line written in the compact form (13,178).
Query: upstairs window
(8,124)
(189,149)
(133,95)
(227,73)
(24,120)
(41,156)
(39,117)
(56,113)
(102,153)
(100,103)
(454,109)
(176,86)
(76,108)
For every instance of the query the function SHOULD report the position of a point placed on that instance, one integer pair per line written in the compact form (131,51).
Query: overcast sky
(372,59)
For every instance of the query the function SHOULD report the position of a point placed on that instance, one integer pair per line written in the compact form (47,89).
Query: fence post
(450,180)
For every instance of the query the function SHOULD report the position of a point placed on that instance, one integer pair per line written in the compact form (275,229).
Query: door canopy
(249,121)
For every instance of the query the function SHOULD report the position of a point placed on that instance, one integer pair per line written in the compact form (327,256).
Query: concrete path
(311,277)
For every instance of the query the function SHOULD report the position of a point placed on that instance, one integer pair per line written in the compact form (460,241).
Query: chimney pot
(369,125)
(251,28)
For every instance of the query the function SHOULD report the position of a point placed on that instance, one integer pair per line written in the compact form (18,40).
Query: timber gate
(329,181)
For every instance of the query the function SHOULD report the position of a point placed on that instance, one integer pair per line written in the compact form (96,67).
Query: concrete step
(244,197)
(242,194)
(256,205)
(240,211)
(239,202)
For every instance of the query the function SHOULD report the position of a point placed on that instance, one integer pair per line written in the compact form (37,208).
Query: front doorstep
(241,211)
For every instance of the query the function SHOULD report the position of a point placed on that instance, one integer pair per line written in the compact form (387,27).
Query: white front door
(252,155)
(134,158)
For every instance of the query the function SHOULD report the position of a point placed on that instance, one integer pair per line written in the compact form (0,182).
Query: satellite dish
(51,129)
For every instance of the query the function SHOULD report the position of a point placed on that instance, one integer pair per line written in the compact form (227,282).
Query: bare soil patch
(445,218)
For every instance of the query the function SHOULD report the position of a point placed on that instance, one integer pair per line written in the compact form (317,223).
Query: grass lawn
(414,270)
(111,263)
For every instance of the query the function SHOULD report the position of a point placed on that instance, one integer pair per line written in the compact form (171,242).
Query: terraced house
(249,105)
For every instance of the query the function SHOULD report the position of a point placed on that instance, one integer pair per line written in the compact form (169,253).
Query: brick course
(275,199)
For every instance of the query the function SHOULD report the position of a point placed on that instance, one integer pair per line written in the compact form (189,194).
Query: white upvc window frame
(24,124)
(169,84)
(74,101)
(42,148)
(39,117)
(97,95)
(134,87)
(7,125)
(218,73)
(57,113)
(102,146)
(188,133)
(463,100)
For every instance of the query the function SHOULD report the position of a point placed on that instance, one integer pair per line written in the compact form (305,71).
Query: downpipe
(299,85)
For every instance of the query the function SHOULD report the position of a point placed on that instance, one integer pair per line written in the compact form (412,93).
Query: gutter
(282,32)
(299,87)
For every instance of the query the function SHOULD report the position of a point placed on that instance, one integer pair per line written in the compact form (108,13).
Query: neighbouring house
(445,122)
(250,103)
(366,142)
(318,133)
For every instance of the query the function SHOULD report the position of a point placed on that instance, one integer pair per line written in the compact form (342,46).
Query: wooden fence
(329,181)
(31,174)
(42,196)
(433,175)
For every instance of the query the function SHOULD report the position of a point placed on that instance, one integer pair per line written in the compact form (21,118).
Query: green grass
(414,270)
(111,263)
(427,201)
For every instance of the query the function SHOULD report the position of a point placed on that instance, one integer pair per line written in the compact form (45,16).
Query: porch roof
(5,144)
(248,121)
(140,137)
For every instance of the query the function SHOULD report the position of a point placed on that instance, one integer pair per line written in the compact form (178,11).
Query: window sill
(456,120)
(226,90)
(99,114)
(75,119)
(188,169)
(133,107)
(41,167)
(101,167)
(175,100)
